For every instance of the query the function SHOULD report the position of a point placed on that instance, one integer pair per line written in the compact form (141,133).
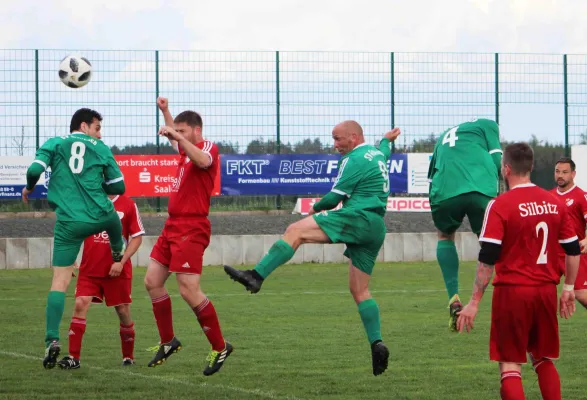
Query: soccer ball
(75,71)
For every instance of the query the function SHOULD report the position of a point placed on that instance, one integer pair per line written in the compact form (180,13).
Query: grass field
(300,338)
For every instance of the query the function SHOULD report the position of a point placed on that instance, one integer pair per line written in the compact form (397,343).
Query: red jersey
(576,201)
(193,185)
(97,256)
(529,223)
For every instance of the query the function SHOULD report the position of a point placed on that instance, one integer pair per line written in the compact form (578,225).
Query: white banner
(418,164)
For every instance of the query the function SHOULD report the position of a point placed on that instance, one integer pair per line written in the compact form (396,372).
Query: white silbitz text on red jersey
(533,208)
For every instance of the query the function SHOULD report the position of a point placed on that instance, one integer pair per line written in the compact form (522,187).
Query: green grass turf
(301,337)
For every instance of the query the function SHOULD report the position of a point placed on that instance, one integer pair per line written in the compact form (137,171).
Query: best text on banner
(294,174)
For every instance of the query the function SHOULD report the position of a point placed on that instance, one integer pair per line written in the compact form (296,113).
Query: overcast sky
(505,26)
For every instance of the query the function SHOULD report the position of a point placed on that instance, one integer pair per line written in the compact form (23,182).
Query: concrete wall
(236,250)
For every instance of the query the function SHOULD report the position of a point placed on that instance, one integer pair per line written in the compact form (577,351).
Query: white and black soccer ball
(75,71)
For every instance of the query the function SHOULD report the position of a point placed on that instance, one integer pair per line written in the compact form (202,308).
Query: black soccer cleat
(165,350)
(455,306)
(380,357)
(69,363)
(215,359)
(128,362)
(249,278)
(51,354)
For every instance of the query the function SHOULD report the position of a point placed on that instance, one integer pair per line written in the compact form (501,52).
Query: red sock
(127,340)
(548,379)
(162,311)
(77,328)
(208,320)
(511,386)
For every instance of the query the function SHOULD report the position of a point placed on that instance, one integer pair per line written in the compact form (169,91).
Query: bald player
(362,186)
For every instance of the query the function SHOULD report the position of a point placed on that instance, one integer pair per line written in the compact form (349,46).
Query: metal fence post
(392,88)
(566,100)
(277,118)
(37,119)
(497,88)
(157,116)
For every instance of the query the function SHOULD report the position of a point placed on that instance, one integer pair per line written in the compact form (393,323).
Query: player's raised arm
(113,179)
(43,159)
(201,158)
(385,144)
(163,104)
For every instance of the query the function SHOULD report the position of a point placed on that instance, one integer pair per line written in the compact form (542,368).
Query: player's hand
(170,133)
(116,269)
(467,317)
(567,304)
(75,266)
(163,104)
(25,195)
(392,134)
(312,211)
(583,244)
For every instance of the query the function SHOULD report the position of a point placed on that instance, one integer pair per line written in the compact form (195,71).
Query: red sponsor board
(394,204)
(152,175)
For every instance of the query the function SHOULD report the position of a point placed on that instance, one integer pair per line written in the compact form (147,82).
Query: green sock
(369,311)
(55,305)
(448,258)
(278,254)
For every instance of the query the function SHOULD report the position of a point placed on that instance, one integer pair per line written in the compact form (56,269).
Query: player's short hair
(520,158)
(83,115)
(567,160)
(191,118)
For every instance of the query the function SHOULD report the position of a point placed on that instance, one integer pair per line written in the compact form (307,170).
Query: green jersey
(466,159)
(363,178)
(80,166)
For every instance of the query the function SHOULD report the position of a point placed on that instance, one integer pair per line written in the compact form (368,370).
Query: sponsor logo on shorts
(186,265)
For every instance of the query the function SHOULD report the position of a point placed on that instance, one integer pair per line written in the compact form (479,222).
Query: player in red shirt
(99,280)
(185,236)
(575,200)
(521,233)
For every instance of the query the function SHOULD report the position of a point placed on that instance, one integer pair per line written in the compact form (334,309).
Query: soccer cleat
(380,357)
(69,363)
(455,306)
(51,354)
(216,359)
(127,362)
(248,278)
(165,350)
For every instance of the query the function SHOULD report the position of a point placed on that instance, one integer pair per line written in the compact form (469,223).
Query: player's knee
(82,304)
(359,293)
(123,312)
(151,283)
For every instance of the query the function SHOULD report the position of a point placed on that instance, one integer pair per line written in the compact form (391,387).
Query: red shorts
(181,245)
(524,320)
(581,282)
(116,291)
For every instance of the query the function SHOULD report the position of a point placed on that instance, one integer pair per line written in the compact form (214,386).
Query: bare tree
(19,143)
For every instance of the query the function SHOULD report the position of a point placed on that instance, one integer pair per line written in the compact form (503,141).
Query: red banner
(152,175)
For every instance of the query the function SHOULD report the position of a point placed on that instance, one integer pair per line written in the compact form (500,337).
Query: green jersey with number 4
(363,178)
(80,166)
(466,159)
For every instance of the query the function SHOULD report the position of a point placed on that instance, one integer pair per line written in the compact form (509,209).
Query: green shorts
(69,236)
(363,232)
(448,215)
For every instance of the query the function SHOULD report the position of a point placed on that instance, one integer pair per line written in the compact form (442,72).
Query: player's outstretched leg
(54,313)
(448,259)
(127,334)
(548,378)
(280,253)
(154,283)
(370,316)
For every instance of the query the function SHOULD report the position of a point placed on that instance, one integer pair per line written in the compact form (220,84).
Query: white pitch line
(309,293)
(237,389)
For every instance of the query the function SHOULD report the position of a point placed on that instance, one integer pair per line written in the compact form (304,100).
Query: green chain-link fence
(268,102)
